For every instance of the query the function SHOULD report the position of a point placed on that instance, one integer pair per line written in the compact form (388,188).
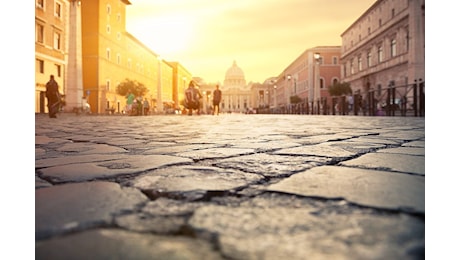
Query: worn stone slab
(405,150)
(41,140)
(215,153)
(121,244)
(177,148)
(264,145)
(77,159)
(272,165)
(415,144)
(129,165)
(191,178)
(370,188)
(298,233)
(90,148)
(322,149)
(68,207)
(39,183)
(389,161)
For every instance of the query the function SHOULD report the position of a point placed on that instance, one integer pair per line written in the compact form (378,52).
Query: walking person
(146,107)
(53,96)
(129,103)
(216,98)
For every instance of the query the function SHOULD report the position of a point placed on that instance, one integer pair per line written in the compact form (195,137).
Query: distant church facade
(236,95)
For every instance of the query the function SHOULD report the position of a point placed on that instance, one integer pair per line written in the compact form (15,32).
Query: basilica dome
(234,72)
(234,78)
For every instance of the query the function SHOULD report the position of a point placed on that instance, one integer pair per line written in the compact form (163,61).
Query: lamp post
(316,93)
(275,103)
(287,92)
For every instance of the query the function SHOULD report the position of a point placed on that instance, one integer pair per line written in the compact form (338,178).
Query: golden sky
(262,36)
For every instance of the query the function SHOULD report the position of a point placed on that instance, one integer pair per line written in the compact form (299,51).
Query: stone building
(236,95)
(51,26)
(385,48)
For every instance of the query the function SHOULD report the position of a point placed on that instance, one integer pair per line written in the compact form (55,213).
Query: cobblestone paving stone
(229,187)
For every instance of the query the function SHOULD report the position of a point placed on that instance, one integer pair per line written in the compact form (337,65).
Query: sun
(166,35)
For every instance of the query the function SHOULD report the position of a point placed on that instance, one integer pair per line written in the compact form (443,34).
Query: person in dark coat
(53,96)
(216,98)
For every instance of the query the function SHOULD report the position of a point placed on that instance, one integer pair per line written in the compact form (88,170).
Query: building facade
(385,49)
(305,82)
(85,45)
(51,26)
(236,95)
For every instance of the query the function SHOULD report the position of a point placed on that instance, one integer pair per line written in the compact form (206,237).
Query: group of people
(193,99)
(135,106)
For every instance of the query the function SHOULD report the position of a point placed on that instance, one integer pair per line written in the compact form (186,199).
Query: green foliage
(339,89)
(138,89)
(295,99)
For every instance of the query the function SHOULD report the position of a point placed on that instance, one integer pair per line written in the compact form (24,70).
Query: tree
(339,89)
(137,88)
(295,99)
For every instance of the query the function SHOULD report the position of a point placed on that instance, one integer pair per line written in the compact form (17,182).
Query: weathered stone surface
(364,187)
(389,161)
(190,178)
(68,207)
(76,159)
(405,151)
(272,165)
(322,149)
(297,233)
(121,244)
(229,186)
(127,165)
(215,153)
(90,148)
(39,183)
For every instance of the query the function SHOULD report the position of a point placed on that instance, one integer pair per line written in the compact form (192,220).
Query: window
(407,40)
(335,60)
(360,64)
(380,54)
(109,9)
(40,66)
(57,9)
(369,59)
(107,52)
(352,67)
(40,3)
(39,31)
(118,17)
(107,85)
(118,58)
(108,28)
(58,70)
(393,48)
(57,41)
(118,35)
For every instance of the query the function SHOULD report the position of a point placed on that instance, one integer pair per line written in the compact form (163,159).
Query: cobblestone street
(232,186)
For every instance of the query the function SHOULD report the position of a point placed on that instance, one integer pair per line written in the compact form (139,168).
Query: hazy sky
(262,36)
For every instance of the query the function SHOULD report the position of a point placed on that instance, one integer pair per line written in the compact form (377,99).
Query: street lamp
(287,91)
(275,103)
(316,93)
